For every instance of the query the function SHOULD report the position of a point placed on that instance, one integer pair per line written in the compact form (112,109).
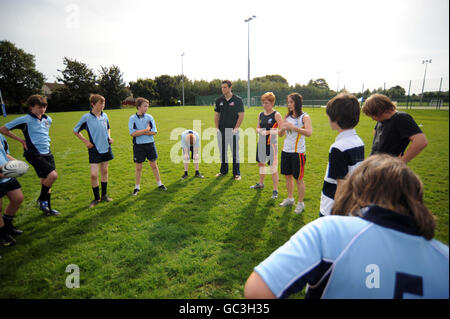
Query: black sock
(96,192)
(104,188)
(185,173)
(7,220)
(44,192)
(48,200)
(197,173)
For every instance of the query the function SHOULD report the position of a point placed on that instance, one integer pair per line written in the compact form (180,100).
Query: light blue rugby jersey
(35,131)
(184,144)
(4,150)
(137,123)
(377,256)
(97,128)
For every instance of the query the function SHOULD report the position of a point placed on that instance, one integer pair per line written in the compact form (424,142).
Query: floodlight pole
(337,89)
(182,76)
(424,74)
(248,75)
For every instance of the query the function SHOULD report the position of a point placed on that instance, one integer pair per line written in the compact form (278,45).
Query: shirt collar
(101,114)
(140,117)
(346,133)
(34,115)
(390,219)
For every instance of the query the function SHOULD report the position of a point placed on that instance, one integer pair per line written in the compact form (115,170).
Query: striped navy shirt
(346,153)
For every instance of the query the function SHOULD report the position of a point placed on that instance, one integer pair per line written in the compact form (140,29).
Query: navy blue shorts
(43,164)
(8,186)
(95,157)
(143,151)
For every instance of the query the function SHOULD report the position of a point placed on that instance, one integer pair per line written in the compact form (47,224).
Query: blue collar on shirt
(101,114)
(34,115)
(140,117)
(389,219)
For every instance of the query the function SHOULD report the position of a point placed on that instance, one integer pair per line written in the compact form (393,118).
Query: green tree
(112,86)
(396,92)
(319,83)
(18,75)
(167,90)
(79,81)
(145,88)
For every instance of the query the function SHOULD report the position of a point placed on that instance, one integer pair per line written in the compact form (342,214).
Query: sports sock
(159,183)
(7,218)
(96,191)
(44,192)
(49,195)
(137,186)
(185,173)
(197,173)
(104,188)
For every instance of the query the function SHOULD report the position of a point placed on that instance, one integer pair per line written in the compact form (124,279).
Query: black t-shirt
(228,111)
(267,122)
(392,136)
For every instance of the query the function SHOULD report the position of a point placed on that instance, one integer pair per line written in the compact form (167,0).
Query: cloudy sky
(350,43)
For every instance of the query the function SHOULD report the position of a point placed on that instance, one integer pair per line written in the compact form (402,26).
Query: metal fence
(407,94)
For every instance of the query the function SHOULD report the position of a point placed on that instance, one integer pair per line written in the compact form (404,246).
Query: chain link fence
(407,94)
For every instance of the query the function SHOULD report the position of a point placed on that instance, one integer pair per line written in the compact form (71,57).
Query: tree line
(19,79)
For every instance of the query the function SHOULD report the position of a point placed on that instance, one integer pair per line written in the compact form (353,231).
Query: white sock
(137,186)
(159,183)
(291,198)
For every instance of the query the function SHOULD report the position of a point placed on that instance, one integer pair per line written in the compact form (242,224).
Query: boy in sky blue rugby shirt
(382,249)
(142,128)
(12,189)
(96,123)
(35,127)
(347,152)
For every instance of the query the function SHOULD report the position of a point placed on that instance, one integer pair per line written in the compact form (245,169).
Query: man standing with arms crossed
(228,116)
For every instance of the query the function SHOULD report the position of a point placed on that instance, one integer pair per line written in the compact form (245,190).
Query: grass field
(201,238)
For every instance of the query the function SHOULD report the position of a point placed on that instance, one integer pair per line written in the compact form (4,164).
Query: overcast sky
(367,41)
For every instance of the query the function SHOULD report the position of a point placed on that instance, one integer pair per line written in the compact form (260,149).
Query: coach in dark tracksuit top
(229,114)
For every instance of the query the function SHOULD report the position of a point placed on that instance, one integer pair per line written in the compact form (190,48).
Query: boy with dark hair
(142,128)
(228,117)
(12,189)
(394,130)
(347,152)
(96,123)
(35,127)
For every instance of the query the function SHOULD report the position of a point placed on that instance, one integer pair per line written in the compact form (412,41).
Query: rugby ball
(14,168)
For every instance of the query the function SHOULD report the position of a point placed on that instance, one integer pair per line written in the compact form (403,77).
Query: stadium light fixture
(424,74)
(338,73)
(248,75)
(182,76)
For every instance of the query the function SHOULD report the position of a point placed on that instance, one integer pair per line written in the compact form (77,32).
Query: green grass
(200,239)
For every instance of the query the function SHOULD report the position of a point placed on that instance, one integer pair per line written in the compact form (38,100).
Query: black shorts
(293,164)
(267,156)
(8,186)
(143,151)
(43,164)
(95,157)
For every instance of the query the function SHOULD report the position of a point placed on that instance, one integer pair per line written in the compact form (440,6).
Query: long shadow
(280,233)
(242,241)
(62,239)
(176,227)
